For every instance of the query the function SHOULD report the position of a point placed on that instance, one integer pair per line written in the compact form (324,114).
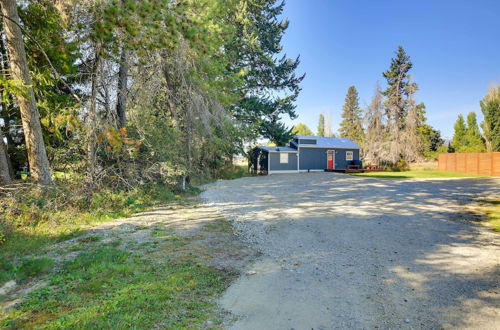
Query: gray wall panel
(277,166)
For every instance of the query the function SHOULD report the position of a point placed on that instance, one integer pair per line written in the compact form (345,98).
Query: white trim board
(281,171)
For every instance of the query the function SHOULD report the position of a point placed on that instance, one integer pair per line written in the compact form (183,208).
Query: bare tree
(37,155)
(411,142)
(373,147)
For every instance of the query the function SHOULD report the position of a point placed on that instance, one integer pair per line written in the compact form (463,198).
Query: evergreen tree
(474,141)
(301,129)
(271,85)
(459,141)
(397,103)
(351,126)
(398,81)
(321,125)
(490,106)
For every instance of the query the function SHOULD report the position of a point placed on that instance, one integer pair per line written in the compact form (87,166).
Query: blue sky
(454,47)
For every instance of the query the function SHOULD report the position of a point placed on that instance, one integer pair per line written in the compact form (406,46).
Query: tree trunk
(92,118)
(122,89)
(37,155)
(5,175)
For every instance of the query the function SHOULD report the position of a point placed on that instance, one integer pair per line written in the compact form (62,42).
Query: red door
(330,159)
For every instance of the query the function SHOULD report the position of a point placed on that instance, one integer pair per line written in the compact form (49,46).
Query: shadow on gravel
(405,244)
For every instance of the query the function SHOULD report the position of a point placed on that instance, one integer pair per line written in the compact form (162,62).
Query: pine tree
(321,125)
(473,139)
(396,102)
(459,141)
(271,85)
(490,106)
(350,126)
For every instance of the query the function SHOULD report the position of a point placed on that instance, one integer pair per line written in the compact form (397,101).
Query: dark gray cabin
(307,153)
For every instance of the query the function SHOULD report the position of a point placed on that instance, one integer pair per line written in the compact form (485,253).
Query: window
(349,155)
(283,158)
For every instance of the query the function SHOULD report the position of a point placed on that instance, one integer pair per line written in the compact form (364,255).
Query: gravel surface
(361,253)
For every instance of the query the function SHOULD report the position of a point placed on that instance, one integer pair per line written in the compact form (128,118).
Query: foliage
(467,137)
(395,124)
(431,140)
(301,129)
(351,125)
(490,106)
(32,217)
(270,85)
(459,140)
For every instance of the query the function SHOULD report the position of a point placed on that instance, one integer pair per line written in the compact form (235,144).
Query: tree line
(126,92)
(393,128)
(469,136)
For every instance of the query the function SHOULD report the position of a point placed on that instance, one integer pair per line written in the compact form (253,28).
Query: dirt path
(361,253)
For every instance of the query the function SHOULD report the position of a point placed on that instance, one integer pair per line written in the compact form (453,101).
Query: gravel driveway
(361,253)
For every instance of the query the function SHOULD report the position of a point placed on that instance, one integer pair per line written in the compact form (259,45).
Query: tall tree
(271,84)
(490,106)
(301,129)
(351,125)
(373,145)
(411,140)
(37,155)
(473,138)
(321,125)
(459,141)
(397,102)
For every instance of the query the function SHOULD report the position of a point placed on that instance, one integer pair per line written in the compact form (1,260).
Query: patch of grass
(113,288)
(234,172)
(219,226)
(90,239)
(416,174)
(491,208)
(25,269)
(33,219)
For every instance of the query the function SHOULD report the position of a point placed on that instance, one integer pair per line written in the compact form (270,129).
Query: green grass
(234,172)
(491,208)
(415,174)
(24,269)
(112,288)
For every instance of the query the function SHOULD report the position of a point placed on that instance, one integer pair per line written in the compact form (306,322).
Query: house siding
(277,166)
(315,158)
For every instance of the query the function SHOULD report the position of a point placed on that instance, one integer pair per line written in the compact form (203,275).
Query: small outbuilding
(306,153)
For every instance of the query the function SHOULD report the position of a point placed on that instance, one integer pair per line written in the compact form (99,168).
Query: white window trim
(349,153)
(282,158)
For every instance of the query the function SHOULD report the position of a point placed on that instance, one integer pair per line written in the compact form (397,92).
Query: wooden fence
(480,163)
